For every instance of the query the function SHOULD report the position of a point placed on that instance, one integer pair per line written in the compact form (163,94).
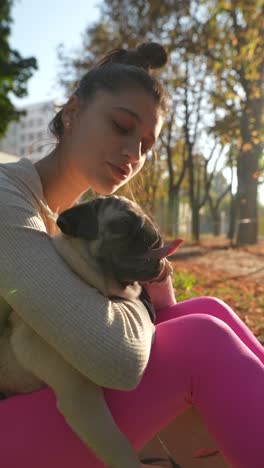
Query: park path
(242,262)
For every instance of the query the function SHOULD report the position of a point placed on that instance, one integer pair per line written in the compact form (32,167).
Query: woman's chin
(106,190)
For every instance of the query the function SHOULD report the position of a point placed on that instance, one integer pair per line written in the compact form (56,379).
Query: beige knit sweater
(108,341)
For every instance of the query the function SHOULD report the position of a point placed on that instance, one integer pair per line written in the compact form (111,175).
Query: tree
(15,70)
(232,39)
(219,190)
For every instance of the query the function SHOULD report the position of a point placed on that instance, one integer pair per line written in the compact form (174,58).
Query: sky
(38,28)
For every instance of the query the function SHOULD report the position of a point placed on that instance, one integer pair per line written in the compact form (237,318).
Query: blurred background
(205,181)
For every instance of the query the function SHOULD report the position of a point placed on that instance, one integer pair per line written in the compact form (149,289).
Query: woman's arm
(160,289)
(108,341)
(161,293)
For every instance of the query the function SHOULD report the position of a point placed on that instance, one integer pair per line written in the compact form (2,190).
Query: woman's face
(106,141)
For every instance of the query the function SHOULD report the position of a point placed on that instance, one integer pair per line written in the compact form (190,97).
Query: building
(29,137)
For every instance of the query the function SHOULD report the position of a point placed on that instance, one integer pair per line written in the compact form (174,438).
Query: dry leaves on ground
(234,275)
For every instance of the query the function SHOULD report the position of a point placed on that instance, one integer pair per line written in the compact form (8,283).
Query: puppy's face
(119,234)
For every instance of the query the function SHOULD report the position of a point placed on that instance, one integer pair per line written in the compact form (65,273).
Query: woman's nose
(132,152)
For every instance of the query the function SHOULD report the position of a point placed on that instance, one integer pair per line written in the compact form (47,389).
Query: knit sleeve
(108,341)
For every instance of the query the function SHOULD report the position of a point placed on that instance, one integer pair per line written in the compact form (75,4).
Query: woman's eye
(120,128)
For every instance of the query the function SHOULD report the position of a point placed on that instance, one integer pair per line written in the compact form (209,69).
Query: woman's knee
(213,301)
(207,305)
(209,302)
(203,327)
(198,332)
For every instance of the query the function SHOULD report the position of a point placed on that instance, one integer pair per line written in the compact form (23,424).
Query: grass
(246,297)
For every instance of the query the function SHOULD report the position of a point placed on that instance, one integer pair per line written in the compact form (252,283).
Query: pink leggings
(203,355)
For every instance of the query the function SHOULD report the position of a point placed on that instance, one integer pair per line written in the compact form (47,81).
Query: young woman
(199,353)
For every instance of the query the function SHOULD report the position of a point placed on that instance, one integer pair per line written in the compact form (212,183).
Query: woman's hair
(121,69)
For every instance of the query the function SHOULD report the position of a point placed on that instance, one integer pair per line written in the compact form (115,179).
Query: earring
(67,124)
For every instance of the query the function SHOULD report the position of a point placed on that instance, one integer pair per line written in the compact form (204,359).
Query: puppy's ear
(79,221)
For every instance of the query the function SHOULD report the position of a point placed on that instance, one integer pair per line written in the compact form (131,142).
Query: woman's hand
(160,289)
(166,271)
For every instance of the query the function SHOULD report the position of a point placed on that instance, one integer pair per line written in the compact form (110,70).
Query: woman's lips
(119,172)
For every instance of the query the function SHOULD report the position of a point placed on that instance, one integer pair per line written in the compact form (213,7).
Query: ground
(234,275)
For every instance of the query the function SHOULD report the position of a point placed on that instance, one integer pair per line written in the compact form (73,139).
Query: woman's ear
(70,112)
(79,221)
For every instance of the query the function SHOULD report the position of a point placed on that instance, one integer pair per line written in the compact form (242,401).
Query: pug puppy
(112,245)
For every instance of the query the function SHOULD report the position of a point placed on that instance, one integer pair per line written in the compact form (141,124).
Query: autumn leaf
(247,147)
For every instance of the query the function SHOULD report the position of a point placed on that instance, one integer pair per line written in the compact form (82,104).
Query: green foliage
(15,70)
(183,282)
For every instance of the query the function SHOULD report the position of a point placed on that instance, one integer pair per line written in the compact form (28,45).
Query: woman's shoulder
(21,196)
(21,175)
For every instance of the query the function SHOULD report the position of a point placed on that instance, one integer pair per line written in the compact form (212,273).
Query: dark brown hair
(120,69)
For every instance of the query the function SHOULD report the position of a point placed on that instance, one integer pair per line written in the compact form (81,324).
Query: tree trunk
(195,223)
(216,223)
(247,209)
(232,219)
(247,170)
(216,217)
(173,212)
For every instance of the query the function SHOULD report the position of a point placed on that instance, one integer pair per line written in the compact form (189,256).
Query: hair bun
(147,55)
(153,54)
